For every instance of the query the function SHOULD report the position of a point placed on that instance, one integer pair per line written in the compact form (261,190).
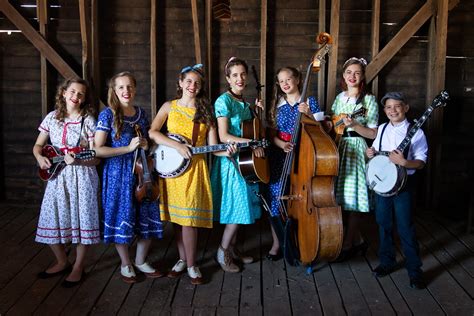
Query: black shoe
(345,255)
(46,275)
(417,283)
(276,257)
(361,248)
(382,271)
(68,284)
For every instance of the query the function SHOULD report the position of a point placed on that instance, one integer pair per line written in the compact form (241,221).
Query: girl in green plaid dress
(351,189)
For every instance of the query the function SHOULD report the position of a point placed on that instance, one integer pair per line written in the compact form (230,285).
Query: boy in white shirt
(389,136)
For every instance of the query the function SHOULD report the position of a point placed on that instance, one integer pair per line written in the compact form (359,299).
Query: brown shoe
(224,258)
(195,275)
(178,269)
(237,255)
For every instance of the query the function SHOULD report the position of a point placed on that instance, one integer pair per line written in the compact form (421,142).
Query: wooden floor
(264,287)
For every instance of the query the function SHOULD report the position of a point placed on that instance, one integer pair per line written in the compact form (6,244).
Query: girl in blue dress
(282,119)
(234,200)
(116,141)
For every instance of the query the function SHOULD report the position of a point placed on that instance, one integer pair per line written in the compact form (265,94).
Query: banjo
(387,178)
(170,164)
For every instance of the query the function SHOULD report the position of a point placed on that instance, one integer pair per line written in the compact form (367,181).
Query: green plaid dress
(351,189)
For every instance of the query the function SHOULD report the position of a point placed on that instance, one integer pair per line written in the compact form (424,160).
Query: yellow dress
(187,200)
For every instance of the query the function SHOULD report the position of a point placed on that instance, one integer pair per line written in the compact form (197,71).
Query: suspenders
(405,152)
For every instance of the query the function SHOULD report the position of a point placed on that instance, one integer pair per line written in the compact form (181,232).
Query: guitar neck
(214,148)
(418,123)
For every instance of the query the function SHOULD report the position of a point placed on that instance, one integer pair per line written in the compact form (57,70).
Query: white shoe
(177,269)
(195,274)
(128,274)
(148,270)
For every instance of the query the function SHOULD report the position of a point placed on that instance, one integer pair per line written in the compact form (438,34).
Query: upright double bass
(312,167)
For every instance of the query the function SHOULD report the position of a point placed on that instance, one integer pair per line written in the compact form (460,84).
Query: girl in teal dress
(234,200)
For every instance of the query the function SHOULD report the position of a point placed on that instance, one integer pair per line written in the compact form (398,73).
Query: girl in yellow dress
(186,200)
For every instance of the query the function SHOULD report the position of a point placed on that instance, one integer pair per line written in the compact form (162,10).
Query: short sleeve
(314,105)
(372,111)
(419,146)
(89,128)
(105,121)
(222,107)
(45,125)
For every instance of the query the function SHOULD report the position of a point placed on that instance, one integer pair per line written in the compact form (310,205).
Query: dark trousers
(399,207)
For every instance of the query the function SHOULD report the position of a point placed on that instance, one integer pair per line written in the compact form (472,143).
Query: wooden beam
(153,70)
(197,42)
(37,40)
(322,72)
(209,46)
(332,68)
(263,48)
(94,51)
(375,40)
(403,36)
(42,13)
(435,124)
(84,19)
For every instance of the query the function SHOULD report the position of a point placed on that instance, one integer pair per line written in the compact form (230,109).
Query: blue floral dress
(285,119)
(233,199)
(123,215)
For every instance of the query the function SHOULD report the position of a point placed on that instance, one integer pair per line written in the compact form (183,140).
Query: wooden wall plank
(42,8)
(332,68)
(375,38)
(153,60)
(197,42)
(322,73)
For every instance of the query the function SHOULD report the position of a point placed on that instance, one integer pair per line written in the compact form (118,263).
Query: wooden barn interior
(419,47)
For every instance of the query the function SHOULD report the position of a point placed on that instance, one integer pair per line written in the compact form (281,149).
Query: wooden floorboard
(262,288)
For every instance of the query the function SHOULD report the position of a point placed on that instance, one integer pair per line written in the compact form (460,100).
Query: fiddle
(147,188)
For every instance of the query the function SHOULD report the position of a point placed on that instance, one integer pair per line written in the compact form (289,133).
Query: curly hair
(363,83)
(114,102)
(60,103)
(278,93)
(204,109)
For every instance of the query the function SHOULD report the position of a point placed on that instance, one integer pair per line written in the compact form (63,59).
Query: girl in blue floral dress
(234,200)
(116,141)
(282,119)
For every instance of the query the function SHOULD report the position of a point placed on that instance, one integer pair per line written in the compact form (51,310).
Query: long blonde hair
(114,102)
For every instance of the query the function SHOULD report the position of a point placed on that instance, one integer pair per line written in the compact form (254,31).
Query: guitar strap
(80,132)
(405,152)
(195,133)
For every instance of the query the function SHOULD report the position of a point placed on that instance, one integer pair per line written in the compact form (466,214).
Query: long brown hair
(204,109)
(114,102)
(234,61)
(60,103)
(363,83)
(278,93)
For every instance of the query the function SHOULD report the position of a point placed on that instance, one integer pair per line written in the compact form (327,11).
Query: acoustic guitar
(170,164)
(387,178)
(57,161)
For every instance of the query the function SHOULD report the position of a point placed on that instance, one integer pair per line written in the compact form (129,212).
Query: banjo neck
(406,141)
(222,147)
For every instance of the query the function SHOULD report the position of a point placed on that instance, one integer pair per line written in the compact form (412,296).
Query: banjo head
(382,175)
(167,160)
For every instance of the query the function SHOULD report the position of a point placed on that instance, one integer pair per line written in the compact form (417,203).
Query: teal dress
(351,188)
(234,200)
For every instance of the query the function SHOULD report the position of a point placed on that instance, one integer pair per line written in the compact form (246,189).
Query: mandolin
(338,122)
(57,161)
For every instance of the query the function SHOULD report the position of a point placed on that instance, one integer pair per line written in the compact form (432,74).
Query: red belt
(284,136)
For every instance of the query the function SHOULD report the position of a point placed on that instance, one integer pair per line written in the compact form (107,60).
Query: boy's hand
(397,158)
(370,152)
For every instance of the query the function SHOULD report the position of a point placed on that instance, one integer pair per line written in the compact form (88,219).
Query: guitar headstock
(441,99)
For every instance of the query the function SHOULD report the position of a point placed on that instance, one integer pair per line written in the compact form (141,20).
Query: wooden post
(153,59)
(84,17)
(263,48)
(332,68)
(42,13)
(375,38)
(197,42)
(437,73)
(322,72)
(209,46)
(94,66)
